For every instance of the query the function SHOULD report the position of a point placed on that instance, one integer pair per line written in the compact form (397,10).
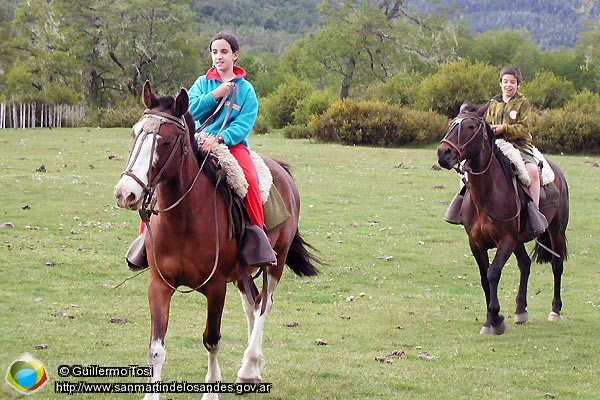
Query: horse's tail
(543,256)
(299,259)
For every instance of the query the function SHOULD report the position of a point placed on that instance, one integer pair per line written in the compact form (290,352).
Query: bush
(314,104)
(380,124)
(454,83)
(296,132)
(279,107)
(572,129)
(124,117)
(547,90)
(400,89)
(260,125)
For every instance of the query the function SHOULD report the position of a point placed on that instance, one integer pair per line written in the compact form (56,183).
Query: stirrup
(255,249)
(536,221)
(136,257)
(453,213)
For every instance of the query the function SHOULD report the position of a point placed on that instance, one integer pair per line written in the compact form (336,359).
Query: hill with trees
(271,25)
(302,56)
(551,23)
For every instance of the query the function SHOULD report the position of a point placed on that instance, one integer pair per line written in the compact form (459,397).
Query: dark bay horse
(492,217)
(188,242)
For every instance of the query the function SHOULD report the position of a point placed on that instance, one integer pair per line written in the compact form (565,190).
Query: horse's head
(465,136)
(159,143)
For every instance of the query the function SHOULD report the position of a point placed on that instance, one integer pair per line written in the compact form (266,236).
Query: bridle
(464,167)
(458,147)
(151,123)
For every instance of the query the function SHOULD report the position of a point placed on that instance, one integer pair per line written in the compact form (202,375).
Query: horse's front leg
(159,298)
(483,262)
(524,262)
(495,323)
(254,360)
(215,296)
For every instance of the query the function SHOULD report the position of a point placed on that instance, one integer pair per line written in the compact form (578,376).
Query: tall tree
(108,47)
(366,40)
(41,69)
(123,43)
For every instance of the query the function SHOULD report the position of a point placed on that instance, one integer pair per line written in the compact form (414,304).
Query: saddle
(549,192)
(533,222)
(226,174)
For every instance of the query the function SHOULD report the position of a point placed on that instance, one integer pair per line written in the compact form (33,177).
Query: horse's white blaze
(254,360)
(138,165)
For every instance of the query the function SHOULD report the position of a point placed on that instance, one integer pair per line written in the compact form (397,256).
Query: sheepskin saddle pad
(549,193)
(274,207)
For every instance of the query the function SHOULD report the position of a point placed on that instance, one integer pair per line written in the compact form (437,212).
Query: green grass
(375,215)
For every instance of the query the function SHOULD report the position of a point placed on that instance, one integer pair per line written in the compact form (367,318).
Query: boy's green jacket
(514,118)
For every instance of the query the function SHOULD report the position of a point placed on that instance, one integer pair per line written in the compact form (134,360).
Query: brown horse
(492,217)
(189,242)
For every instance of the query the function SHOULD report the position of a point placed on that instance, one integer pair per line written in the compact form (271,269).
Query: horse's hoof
(485,330)
(554,317)
(493,330)
(499,329)
(521,318)
(248,380)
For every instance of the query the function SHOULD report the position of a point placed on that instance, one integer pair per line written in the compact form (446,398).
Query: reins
(146,211)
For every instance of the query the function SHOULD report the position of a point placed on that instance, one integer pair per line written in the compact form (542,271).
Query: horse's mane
(505,163)
(191,124)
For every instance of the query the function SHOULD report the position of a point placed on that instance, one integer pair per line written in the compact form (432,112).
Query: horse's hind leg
(254,360)
(159,297)
(557,270)
(246,304)
(524,262)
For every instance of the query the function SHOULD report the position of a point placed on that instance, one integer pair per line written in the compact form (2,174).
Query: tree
(107,47)
(40,63)
(501,48)
(547,90)
(125,43)
(591,57)
(366,41)
(6,55)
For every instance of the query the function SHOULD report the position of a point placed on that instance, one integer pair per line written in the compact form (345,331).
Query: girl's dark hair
(229,37)
(510,70)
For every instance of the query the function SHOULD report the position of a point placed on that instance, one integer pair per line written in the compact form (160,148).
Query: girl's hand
(209,143)
(223,90)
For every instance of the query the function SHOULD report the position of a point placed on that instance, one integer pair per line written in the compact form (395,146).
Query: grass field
(397,278)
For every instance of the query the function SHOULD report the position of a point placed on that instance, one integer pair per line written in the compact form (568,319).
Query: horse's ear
(148,97)
(465,106)
(182,102)
(481,111)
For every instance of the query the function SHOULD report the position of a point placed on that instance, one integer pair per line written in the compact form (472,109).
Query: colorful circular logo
(26,374)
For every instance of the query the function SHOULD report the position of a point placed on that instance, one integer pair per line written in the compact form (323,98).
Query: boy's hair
(510,70)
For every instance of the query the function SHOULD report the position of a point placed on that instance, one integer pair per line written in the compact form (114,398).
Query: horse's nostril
(131,198)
